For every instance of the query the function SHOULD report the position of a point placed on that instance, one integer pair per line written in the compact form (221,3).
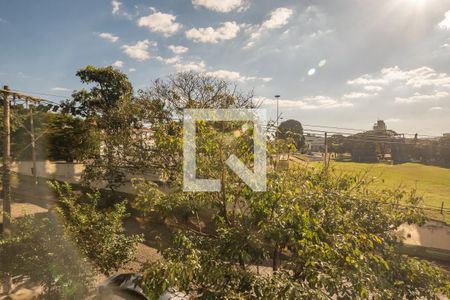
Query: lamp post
(278,115)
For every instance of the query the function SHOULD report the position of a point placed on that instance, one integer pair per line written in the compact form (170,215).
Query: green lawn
(433,183)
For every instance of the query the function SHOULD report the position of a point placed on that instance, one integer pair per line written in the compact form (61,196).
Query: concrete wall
(433,235)
(69,172)
(61,171)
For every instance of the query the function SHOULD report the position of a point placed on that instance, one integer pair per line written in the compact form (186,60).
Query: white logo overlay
(256,180)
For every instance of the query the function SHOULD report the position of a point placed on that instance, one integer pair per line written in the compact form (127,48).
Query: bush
(327,235)
(99,234)
(38,252)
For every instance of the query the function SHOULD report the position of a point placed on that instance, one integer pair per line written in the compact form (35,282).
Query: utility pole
(278,113)
(33,145)
(6,163)
(326,151)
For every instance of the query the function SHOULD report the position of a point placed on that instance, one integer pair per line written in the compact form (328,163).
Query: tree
(115,123)
(326,235)
(68,137)
(39,252)
(332,238)
(363,151)
(292,130)
(99,234)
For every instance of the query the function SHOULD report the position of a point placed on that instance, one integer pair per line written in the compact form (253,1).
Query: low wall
(431,235)
(69,172)
(62,171)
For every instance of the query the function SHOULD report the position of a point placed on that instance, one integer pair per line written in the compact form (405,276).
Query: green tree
(326,235)
(69,138)
(99,234)
(292,130)
(114,119)
(38,252)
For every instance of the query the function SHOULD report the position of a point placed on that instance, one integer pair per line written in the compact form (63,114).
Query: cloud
(320,33)
(109,37)
(227,31)
(357,95)
(60,89)
(278,18)
(139,51)
(131,70)
(223,6)
(235,76)
(422,98)
(416,78)
(373,88)
(170,60)
(436,108)
(445,24)
(190,66)
(115,6)
(117,64)
(308,103)
(160,22)
(178,49)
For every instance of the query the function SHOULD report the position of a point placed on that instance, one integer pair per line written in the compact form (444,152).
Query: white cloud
(308,103)
(320,33)
(160,22)
(178,49)
(117,64)
(60,89)
(422,98)
(131,70)
(278,18)
(115,6)
(373,88)
(235,76)
(357,95)
(170,60)
(436,108)
(445,24)
(416,78)
(223,6)
(227,31)
(190,66)
(108,36)
(139,51)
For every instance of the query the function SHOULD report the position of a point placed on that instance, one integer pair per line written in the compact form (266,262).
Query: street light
(278,115)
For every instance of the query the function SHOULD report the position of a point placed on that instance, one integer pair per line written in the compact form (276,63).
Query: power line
(354,134)
(363,130)
(44,94)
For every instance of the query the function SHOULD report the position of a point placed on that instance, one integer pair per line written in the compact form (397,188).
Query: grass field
(433,183)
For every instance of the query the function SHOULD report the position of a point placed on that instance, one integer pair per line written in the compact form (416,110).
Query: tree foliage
(69,138)
(38,251)
(292,130)
(99,234)
(324,235)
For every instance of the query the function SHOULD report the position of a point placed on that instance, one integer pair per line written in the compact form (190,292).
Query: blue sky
(345,63)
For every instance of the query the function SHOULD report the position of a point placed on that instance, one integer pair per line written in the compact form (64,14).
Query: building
(315,143)
(380,126)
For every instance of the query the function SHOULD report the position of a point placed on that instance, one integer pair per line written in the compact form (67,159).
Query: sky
(344,63)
